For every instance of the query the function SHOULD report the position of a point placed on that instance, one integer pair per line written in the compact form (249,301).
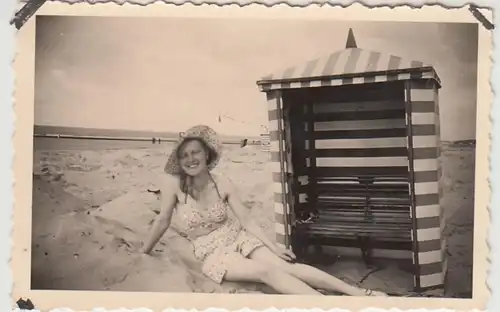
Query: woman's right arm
(168,199)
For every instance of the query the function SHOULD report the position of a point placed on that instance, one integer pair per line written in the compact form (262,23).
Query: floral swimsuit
(225,242)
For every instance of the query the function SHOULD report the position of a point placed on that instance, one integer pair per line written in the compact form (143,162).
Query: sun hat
(200,132)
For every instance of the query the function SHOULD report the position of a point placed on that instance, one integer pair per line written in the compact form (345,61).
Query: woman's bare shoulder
(168,182)
(224,182)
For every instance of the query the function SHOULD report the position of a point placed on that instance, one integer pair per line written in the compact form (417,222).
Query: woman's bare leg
(311,275)
(247,270)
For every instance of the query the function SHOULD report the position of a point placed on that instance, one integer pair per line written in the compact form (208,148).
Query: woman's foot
(375,293)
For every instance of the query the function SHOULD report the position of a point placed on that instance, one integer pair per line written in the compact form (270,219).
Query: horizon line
(159,132)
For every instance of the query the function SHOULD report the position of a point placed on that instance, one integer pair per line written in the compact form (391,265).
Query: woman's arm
(242,213)
(168,200)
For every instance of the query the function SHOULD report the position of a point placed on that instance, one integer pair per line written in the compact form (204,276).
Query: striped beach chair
(354,143)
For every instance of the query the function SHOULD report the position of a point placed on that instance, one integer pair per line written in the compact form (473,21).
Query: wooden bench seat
(358,212)
(385,232)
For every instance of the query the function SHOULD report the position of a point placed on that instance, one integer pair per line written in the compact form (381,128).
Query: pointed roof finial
(351,41)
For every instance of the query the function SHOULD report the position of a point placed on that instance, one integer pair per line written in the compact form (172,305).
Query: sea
(76,138)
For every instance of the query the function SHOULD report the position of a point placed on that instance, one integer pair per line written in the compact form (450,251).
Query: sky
(167,74)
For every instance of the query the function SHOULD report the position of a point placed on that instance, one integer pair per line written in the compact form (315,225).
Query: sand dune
(91,208)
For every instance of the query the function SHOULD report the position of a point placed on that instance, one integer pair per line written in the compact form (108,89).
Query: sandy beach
(91,207)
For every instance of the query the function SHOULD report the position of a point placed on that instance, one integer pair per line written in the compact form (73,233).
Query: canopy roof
(348,64)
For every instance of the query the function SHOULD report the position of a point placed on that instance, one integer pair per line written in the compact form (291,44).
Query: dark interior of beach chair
(351,202)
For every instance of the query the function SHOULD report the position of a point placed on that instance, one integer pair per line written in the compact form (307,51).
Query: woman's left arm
(242,213)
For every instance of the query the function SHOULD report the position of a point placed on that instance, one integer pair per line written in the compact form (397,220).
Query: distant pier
(110,138)
(153,140)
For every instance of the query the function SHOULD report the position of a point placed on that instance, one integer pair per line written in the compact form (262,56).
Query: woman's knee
(262,273)
(249,270)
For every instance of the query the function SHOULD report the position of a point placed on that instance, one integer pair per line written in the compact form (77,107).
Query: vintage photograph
(254,156)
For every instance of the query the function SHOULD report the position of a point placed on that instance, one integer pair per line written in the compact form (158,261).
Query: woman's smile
(193,157)
(191,168)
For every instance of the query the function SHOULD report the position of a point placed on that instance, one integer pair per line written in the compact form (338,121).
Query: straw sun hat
(201,132)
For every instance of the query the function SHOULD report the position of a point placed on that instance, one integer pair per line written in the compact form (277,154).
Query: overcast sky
(166,74)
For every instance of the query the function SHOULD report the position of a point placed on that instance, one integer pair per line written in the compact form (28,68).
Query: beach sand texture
(92,207)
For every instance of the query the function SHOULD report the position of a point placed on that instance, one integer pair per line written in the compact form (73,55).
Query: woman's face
(193,157)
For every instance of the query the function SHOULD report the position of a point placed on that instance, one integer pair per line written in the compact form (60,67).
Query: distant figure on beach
(243,143)
(229,248)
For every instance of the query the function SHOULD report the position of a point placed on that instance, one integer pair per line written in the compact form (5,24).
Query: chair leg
(318,249)
(366,250)
(320,257)
(300,247)
(300,251)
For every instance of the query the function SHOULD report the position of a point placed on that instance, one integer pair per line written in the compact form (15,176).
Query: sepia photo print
(256,156)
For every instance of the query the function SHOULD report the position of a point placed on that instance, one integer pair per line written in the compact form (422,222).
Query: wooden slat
(359,116)
(371,124)
(355,143)
(364,106)
(376,231)
(362,162)
(358,134)
(342,171)
(363,152)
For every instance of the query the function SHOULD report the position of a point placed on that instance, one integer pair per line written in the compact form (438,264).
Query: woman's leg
(311,275)
(240,269)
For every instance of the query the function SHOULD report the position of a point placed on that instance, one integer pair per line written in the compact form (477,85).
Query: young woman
(229,248)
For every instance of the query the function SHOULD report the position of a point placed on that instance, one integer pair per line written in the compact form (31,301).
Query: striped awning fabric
(349,66)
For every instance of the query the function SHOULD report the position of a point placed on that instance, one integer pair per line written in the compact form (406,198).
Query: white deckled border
(6,113)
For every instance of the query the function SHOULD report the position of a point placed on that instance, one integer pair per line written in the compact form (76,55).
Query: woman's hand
(144,260)
(131,246)
(136,247)
(143,249)
(285,254)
